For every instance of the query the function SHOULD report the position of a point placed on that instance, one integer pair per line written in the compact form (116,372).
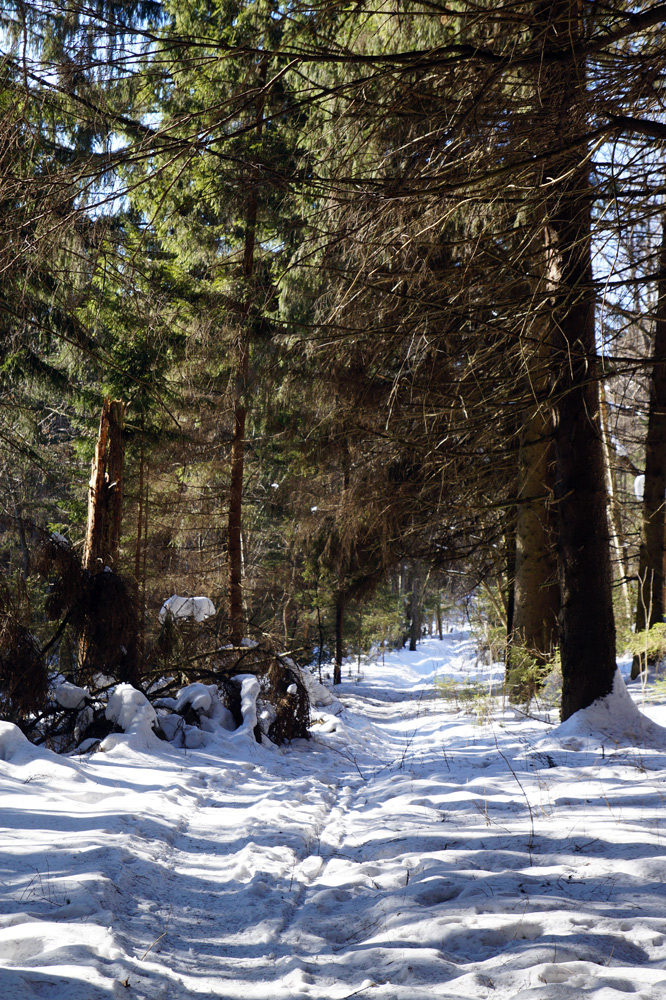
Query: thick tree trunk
(105,494)
(536,592)
(650,605)
(587,626)
(105,498)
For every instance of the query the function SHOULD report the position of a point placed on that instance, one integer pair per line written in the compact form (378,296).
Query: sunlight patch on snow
(405,852)
(614,720)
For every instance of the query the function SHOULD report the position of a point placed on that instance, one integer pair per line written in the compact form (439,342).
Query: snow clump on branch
(196,608)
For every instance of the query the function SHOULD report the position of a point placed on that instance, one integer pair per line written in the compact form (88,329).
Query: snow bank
(196,608)
(12,741)
(614,720)
(130,709)
(318,693)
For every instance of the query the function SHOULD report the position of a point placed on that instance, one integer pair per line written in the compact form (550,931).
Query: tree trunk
(105,494)
(614,520)
(415,610)
(235,550)
(650,606)
(438,617)
(20,525)
(587,626)
(140,581)
(339,628)
(536,597)
(586,623)
(105,498)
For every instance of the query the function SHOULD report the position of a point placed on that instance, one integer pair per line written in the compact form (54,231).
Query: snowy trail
(403,853)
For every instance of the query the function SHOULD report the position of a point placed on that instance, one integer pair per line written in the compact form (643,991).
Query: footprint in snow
(434,895)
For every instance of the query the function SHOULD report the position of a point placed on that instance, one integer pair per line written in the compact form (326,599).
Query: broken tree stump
(105,493)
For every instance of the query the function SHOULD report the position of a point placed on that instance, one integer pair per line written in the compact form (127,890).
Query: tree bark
(139,559)
(339,629)
(235,549)
(650,605)
(105,494)
(438,617)
(586,622)
(536,597)
(414,611)
(621,569)
(105,499)
(587,626)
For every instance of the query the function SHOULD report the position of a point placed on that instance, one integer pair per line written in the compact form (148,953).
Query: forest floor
(409,850)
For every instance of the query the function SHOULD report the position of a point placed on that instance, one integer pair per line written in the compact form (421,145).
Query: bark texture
(586,622)
(339,629)
(105,493)
(650,605)
(536,591)
(235,521)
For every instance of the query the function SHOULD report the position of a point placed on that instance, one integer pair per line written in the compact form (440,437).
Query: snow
(132,712)
(69,695)
(639,486)
(614,721)
(249,693)
(196,608)
(408,851)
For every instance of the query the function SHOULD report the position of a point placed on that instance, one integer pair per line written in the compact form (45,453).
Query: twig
(166,928)
(527,801)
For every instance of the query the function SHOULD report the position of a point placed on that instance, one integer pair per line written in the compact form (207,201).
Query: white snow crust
(131,710)
(196,608)
(408,851)
(205,701)
(12,742)
(614,720)
(69,695)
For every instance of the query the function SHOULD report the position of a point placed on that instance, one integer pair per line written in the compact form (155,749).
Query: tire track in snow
(228,889)
(341,906)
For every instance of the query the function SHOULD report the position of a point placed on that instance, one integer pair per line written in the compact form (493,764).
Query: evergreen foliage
(356,275)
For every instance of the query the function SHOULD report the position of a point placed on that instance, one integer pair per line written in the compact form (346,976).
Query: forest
(357,313)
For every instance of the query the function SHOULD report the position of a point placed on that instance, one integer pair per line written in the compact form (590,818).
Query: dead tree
(105,493)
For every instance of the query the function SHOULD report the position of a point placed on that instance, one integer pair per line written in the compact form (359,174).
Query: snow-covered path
(403,853)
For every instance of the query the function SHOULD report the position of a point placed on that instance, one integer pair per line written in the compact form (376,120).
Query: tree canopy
(374,283)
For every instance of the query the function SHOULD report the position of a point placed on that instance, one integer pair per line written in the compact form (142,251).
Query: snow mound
(69,695)
(318,693)
(12,741)
(204,699)
(614,720)
(250,691)
(196,608)
(197,696)
(131,710)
